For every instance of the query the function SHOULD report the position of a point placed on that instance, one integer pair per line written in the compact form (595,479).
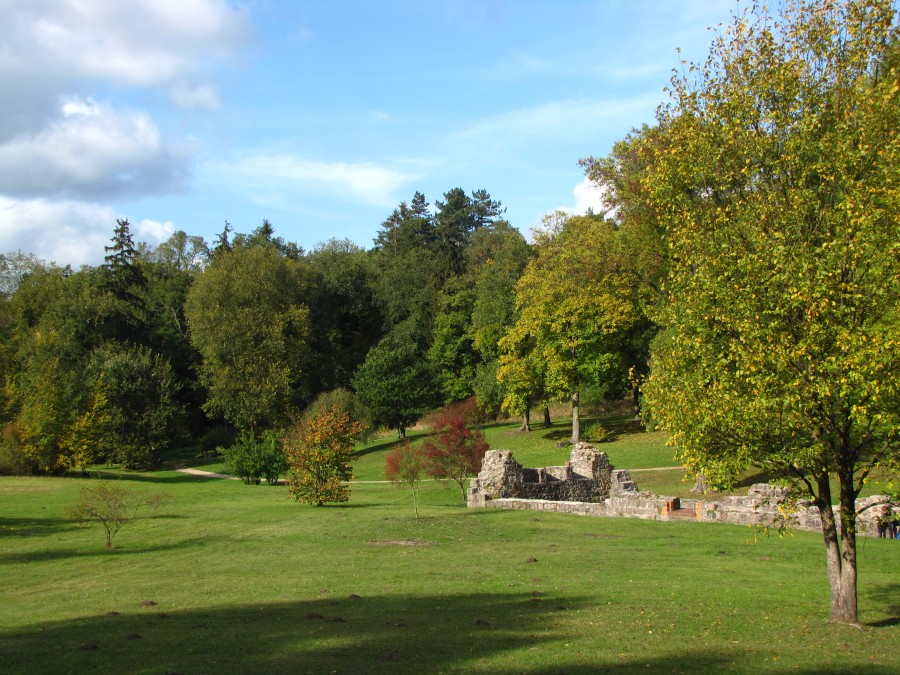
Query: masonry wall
(588,485)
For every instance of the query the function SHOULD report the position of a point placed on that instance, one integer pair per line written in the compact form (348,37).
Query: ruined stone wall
(588,485)
(586,477)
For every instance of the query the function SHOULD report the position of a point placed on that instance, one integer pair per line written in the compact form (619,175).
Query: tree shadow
(390,442)
(500,633)
(887,595)
(151,477)
(34,527)
(121,549)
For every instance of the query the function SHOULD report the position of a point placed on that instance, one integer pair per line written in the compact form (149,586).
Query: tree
(498,255)
(16,266)
(141,413)
(395,385)
(182,252)
(455,452)
(344,310)
(319,451)
(778,181)
(451,351)
(405,465)
(575,311)
(114,506)
(248,319)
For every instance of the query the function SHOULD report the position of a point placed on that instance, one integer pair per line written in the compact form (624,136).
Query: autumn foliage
(455,451)
(319,452)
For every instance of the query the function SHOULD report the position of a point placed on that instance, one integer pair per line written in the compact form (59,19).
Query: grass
(244,580)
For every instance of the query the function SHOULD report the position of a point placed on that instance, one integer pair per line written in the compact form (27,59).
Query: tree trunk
(636,395)
(547,421)
(576,420)
(840,555)
(401,431)
(526,419)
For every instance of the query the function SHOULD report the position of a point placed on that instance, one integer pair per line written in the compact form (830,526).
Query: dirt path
(206,474)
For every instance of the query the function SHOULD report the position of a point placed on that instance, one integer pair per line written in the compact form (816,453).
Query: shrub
(114,506)
(406,465)
(343,398)
(455,452)
(253,459)
(319,450)
(466,410)
(597,433)
(216,440)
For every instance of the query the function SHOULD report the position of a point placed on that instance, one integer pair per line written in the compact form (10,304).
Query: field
(241,579)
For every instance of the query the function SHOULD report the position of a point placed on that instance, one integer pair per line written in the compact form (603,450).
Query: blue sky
(318,115)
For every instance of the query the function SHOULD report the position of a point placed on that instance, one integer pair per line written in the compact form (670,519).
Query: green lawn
(245,580)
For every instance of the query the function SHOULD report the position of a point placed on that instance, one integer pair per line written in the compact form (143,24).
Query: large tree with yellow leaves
(778,185)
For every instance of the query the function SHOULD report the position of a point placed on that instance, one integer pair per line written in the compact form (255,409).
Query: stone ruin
(589,485)
(586,477)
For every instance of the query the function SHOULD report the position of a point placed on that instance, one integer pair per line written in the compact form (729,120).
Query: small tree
(319,451)
(406,465)
(456,452)
(114,506)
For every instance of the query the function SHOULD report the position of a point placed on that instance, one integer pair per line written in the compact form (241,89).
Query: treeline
(158,346)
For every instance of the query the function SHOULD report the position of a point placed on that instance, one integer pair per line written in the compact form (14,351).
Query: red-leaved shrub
(455,451)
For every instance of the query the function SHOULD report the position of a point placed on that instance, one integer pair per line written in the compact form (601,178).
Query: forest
(161,345)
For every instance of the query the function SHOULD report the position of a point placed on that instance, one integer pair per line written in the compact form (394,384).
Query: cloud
(588,197)
(570,118)
(271,177)
(136,43)
(201,96)
(57,139)
(69,232)
(93,151)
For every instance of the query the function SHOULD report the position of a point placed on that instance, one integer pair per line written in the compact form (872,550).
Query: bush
(319,451)
(253,459)
(466,410)
(216,440)
(456,451)
(343,398)
(597,433)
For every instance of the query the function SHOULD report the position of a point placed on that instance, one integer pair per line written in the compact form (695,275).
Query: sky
(318,115)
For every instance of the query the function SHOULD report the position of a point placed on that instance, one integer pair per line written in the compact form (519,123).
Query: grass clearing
(245,580)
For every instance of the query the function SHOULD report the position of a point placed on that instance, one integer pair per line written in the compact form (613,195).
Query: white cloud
(200,97)
(70,232)
(139,42)
(270,177)
(93,151)
(56,138)
(588,197)
(571,118)
(152,231)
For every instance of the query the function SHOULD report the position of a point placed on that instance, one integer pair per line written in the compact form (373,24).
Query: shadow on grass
(33,527)
(389,442)
(112,474)
(887,595)
(122,549)
(485,632)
